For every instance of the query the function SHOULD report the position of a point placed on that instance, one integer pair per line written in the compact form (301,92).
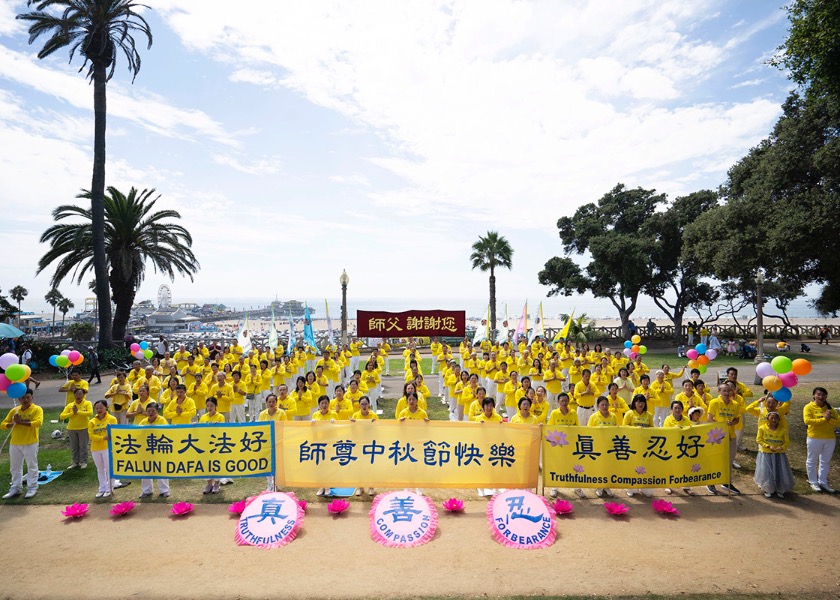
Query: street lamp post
(759,318)
(343,280)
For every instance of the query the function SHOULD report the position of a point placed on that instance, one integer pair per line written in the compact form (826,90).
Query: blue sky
(298,139)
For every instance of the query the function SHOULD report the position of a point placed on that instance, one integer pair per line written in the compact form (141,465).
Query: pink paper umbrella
(236,508)
(122,508)
(75,511)
(563,507)
(302,504)
(180,509)
(337,507)
(665,507)
(453,505)
(617,509)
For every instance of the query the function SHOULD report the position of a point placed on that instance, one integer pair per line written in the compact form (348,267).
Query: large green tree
(18,293)
(488,253)
(611,231)
(64,306)
(7,310)
(134,234)
(99,31)
(675,284)
(53,297)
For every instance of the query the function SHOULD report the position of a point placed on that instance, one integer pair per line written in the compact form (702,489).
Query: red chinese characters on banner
(411,323)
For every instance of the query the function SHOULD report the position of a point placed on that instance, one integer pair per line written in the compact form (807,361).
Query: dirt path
(745,545)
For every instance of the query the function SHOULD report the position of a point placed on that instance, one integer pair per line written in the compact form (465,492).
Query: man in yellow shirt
(77,414)
(585,393)
(153,419)
(24,421)
(726,410)
(75,382)
(181,409)
(151,380)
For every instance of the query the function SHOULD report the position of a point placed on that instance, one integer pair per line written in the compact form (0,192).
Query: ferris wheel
(164,297)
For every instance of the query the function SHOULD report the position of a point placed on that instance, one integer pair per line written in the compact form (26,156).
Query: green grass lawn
(81,485)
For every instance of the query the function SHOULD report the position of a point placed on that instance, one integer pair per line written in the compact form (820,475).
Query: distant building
(169,320)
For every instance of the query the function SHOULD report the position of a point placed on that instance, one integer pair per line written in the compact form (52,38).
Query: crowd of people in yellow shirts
(539,383)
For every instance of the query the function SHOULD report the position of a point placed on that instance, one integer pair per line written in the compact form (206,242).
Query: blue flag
(308,333)
(291,346)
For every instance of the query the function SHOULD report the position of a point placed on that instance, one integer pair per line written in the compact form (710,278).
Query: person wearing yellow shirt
(640,367)
(660,398)
(303,400)
(575,373)
(413,412)
(644,388)
(700,390)
(75,382)
(137,409)
(462,396)
(618,406)
(197,392)
(285,402)
(603,418)
(153,419)
(740,389)
(98,435)
(585,393)
(212,416)
(739,427)
(772,468)
(354,393)
(725,410)
(523,414)
(553,378)
(625,384)
(278,375)
(180,357)
(477,405)
(222,391)
(491,367)
(253,382)
(689,397)
(539,405)
(236,409)
(678,419)
(821,421)
(272,412)
(372,380)
(487,412)
(508,392)
(168,394)
(767,404)
(324,413)
(535,372)
(340,405)
(181,409)
(435,348)
(25,422)
(563,415)
(365,413)
(421,388)
(120,396)
(601,379)
(638,415)
(77,415)
(151,380)
(135,373)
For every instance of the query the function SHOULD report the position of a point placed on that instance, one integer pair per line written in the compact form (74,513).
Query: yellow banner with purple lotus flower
(635,457)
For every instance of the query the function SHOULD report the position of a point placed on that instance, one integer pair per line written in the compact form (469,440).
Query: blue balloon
(628,344)
(52,360)
(783,395)
(701,348)
(144,345)
(16,390)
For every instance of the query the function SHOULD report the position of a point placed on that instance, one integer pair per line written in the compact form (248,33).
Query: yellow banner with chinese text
(635,457)
(397,454)
(205,451)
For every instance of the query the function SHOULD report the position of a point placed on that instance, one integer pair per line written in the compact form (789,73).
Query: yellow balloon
(636,339)
(772,383)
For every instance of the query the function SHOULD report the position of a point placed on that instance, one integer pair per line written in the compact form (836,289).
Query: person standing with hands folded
(24,421)
(78,414)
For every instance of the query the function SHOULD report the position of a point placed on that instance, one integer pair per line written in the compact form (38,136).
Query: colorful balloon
(16,372)
(771,383)
(693,364)
(627,352)
(16,390)
(702,368)
(53,358)
(781,364)
(642,349)
(7,360)
(764,369)
(5,382)
(701,348)
(63,362)
(635,348)
(783,395)
(628,344)
(138,355)
(144,345)
(65,352)
(28,372)
(78,361)
(703,359)
(636,339)
(692,354)
(134,347)
(74,356)
(634,355)
(148,354)
(801,366)
(712,354)
(789,379)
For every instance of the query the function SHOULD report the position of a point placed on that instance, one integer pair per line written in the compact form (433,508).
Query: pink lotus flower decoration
(664,507)
(557,438)
(641,470)
(237,508)
(337,507)
(563,507)
(302,504)
(695,467)
(617,509)
(578,469)
(453,505)
(75,511)
(716,436)
(122,508)
(180,509)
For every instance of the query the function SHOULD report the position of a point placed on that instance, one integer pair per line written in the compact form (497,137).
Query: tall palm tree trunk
(124,300)
(492,303)
(97,207)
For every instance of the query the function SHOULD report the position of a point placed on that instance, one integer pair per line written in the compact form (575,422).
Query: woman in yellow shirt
(341,405)
(271,412)
(523,415)
(77,414)
(540,407)
(372,379)
(488,412)
(181,410)
(324,414)
(303,400)
(466,401)
(364,413)
(119,395)
(168,393)
(98,433)
(413,412)
(625,385)
(508,391)
(821,420)
(772,468)
(535,372)
(618,406)
(553,378)
(211,416)
(603,418)
(678,419)
(638,415)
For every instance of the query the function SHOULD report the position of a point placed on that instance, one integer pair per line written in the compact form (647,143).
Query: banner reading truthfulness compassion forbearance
(411,323)
(407,454)
(201,451)
(635,457)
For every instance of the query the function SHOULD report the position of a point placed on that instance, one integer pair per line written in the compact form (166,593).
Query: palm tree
(64,306)
(489,252)
(18,293)
(99,30)
(53,297)
(133,235)
(581,330)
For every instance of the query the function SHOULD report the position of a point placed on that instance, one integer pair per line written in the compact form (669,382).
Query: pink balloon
(5,382)
(74,356)
(135,347)
(712,354)
(634,355)
(692,354)
(789,379)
